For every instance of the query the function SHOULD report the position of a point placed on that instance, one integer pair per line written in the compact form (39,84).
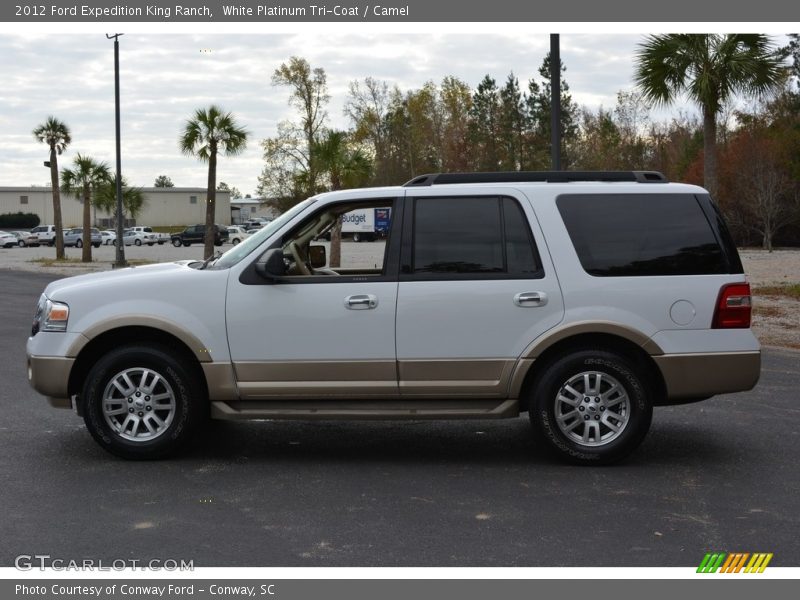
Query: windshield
(238,252)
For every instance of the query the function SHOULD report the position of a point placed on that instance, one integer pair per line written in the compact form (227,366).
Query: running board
(367,409)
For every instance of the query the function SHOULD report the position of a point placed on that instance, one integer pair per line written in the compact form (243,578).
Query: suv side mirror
(316,256)
(271,266)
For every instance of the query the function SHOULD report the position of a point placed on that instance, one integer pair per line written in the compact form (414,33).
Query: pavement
(720,475)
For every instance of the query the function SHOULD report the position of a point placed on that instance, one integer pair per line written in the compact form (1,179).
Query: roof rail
(538,176)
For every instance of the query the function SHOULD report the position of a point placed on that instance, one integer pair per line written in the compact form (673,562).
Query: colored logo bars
(734,562)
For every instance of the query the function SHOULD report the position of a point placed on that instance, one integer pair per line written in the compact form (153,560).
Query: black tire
(190,405)
(219,243)
(137,241)
(186,244)
(21,244)
(356,237)
(177,243)
(549,394)
(235,241)
(79,244)
(150,243)
(96,244)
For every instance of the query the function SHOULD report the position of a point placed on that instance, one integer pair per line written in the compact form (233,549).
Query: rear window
(641,234)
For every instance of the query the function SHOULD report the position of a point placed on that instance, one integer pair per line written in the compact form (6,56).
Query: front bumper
(700,375)
(49,375)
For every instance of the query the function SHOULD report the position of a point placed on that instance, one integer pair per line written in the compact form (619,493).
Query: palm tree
(710,69)
(207,133)
(56,135)
(133,198)
(346,168)
(86,176)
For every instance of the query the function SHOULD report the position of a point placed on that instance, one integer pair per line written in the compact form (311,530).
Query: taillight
(733,307)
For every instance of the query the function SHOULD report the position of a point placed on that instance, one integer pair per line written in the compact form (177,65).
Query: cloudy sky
(166,76)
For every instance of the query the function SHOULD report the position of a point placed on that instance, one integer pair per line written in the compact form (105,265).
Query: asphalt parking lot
(721,475)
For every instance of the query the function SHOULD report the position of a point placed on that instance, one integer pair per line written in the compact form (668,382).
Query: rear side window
(478,236)
(641,234)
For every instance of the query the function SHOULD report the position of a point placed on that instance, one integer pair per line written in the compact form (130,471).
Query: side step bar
(366,409)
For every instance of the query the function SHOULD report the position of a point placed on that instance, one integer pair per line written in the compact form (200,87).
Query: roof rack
(538,176)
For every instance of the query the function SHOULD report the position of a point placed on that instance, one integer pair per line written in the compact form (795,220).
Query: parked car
(137,237)
(25,238)
(582,298)
(237,234)
(46,234)
(148,236)
(74,237)
(195,234)
(7,240)
(109,237)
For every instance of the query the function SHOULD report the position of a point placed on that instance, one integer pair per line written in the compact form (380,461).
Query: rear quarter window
(617,235)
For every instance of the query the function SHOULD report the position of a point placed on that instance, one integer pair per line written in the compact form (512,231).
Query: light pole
(555,102)
(120,250)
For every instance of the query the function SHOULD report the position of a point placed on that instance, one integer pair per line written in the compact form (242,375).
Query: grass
(56,262)
(790,290)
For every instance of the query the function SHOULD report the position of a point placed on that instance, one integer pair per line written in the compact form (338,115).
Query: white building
(247,208)
(163,206)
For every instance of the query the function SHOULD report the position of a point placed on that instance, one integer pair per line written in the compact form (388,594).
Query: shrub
(19,220)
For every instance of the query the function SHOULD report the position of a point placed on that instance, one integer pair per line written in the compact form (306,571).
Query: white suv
(585,299)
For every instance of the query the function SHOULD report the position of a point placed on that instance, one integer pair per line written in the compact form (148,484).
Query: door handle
(526,299)
(361,302)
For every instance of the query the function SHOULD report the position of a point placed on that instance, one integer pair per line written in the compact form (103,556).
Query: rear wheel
(21,243)
(96,244)
(176,242)
(592,406)
(141,402)
(137,241)
(79,244)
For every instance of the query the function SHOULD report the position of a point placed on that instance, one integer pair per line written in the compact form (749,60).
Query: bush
(19,220)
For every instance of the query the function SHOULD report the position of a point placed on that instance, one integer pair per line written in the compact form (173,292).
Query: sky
(166,76)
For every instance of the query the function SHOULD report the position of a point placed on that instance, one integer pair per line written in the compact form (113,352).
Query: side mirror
(316,256)
(271,266)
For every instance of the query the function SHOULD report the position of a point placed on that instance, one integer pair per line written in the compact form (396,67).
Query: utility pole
(120,250)
(555,102)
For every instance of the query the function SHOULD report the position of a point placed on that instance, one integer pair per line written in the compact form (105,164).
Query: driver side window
(343,239)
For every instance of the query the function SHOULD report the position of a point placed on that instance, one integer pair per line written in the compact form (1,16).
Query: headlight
(50,316)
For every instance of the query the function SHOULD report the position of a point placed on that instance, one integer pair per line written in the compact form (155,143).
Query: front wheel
(96,244)
(138,242)
(176,242)
(142,402)
(592,406)
(21,244)
(235,241)
(79,244)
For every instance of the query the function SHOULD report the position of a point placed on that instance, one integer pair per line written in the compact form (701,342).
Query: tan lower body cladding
(475,378)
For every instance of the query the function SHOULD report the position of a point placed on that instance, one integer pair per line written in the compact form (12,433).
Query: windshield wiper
(209,259)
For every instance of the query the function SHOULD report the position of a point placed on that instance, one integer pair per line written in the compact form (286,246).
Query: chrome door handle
(525,299)
(361,302)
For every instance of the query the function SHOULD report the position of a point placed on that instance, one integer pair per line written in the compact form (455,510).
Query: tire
(124,426)
(78,244)
(177,243)
(96,244)
(236,241)
(137,241)
(186,244)
(150,243)
(21,244)
(559,391)
(356,237)
(160,242)
(219,243)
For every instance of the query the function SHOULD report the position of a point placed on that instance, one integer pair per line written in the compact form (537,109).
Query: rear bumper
(700,375)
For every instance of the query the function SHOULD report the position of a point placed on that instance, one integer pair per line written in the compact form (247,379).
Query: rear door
(476,287)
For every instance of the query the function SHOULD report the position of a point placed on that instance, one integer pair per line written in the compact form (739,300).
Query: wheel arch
(115,337)
(532,365)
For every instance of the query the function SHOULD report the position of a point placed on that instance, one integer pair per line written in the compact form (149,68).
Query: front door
(321,331)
